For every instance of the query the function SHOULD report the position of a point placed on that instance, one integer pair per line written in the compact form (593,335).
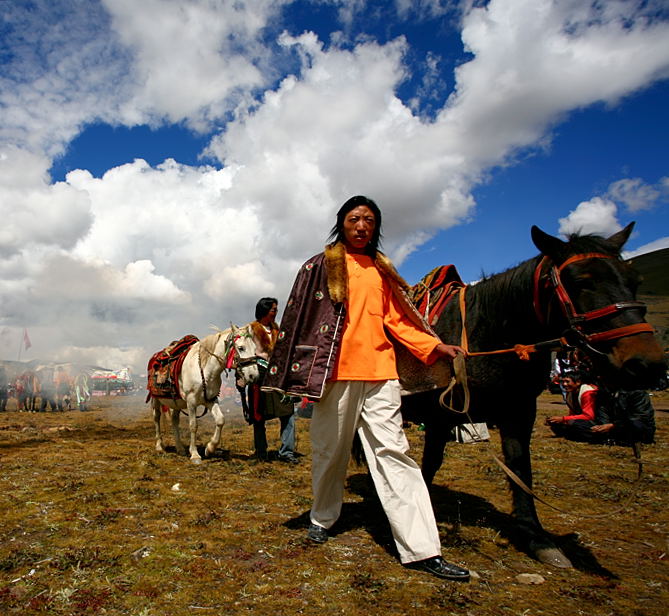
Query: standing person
(259,406)
(20,391)
(4,389)
(333,347)
(581,398)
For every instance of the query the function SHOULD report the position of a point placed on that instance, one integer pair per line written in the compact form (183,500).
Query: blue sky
(163,164)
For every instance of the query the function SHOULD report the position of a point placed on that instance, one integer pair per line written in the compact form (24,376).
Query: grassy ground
(94,521)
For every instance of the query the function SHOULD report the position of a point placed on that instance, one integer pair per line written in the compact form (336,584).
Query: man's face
(270,317)
(359,226)
(569,384)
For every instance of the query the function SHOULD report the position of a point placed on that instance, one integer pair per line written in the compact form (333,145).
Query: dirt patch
(96,522)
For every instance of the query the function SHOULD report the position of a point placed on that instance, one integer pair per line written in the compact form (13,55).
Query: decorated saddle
(431,294)
(164,368)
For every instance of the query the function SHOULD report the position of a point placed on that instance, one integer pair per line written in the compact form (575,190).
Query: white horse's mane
(208,343)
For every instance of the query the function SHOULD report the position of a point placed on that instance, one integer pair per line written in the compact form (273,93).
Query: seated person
(625,417)
(581,399)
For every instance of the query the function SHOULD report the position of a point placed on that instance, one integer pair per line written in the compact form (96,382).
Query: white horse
(200,382)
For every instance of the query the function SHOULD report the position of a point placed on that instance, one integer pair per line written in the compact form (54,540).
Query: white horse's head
(242,354)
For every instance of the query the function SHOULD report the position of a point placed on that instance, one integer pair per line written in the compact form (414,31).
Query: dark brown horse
(580,290)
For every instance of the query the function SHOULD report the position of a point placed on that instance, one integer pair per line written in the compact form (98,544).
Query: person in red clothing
(334,347)
(581,400)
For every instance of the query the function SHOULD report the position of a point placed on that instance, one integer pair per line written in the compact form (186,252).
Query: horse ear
(551,246)
(618,240)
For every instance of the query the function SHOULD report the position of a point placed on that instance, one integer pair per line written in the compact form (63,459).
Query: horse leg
(219,420)
(192,425)
(515,437)
(157,414)
(436,437)
(175,416)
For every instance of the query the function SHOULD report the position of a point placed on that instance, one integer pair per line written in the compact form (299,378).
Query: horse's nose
(638,373)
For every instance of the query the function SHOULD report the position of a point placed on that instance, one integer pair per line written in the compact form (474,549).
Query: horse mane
(499,293)
(208,343)
(590,243)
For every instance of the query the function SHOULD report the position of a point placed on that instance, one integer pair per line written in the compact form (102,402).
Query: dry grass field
(94,521)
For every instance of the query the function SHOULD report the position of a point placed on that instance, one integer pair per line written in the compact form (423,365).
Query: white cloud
(35,212)
(111,358)
(64,68)
(658,244)
(634,193)
(127,62)
(146,254)
(536,60)
(98,282)
(598,216)
(192,60)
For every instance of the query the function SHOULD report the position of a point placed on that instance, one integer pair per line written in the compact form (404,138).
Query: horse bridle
(232,359)
(576,335)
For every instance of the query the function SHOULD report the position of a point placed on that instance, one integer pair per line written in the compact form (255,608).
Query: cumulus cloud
(142,255)
(192,60)
(126,62)
(598,216)
(537,60)
(57,77)
(635,194)
(34,211)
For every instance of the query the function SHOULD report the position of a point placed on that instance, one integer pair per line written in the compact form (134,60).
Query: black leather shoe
(317,533)
(291,458)
(439,567)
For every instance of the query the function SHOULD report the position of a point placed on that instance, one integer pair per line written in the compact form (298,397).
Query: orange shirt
(366,353)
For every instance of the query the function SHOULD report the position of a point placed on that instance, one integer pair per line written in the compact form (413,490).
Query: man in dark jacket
(333,347)
(625,417)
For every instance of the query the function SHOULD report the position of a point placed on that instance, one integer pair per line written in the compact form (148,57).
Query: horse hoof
(553,557)
(196,460)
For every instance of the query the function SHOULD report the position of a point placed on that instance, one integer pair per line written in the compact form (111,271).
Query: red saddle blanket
(164,368)
(431,294)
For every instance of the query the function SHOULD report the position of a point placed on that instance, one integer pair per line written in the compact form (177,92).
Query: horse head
(242,354)
(597,309)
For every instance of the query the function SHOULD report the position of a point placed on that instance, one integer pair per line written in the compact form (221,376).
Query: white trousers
(371,409)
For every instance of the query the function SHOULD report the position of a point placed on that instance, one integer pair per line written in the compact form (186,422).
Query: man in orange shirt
(334,347)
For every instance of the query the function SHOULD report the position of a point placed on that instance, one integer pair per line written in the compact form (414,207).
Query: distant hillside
(654,289)
(654,267)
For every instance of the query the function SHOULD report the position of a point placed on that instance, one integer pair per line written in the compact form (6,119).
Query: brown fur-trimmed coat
(311,329)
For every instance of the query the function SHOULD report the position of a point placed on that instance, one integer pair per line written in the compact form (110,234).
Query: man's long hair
(264,305)
(337,232)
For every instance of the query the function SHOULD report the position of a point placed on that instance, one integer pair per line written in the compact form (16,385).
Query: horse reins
(204,382)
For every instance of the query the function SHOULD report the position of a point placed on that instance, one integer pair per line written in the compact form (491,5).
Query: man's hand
(448,350)
(603,428)
(556,419)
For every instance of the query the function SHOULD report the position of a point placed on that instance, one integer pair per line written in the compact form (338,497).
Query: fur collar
(335,265)
(267,341)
